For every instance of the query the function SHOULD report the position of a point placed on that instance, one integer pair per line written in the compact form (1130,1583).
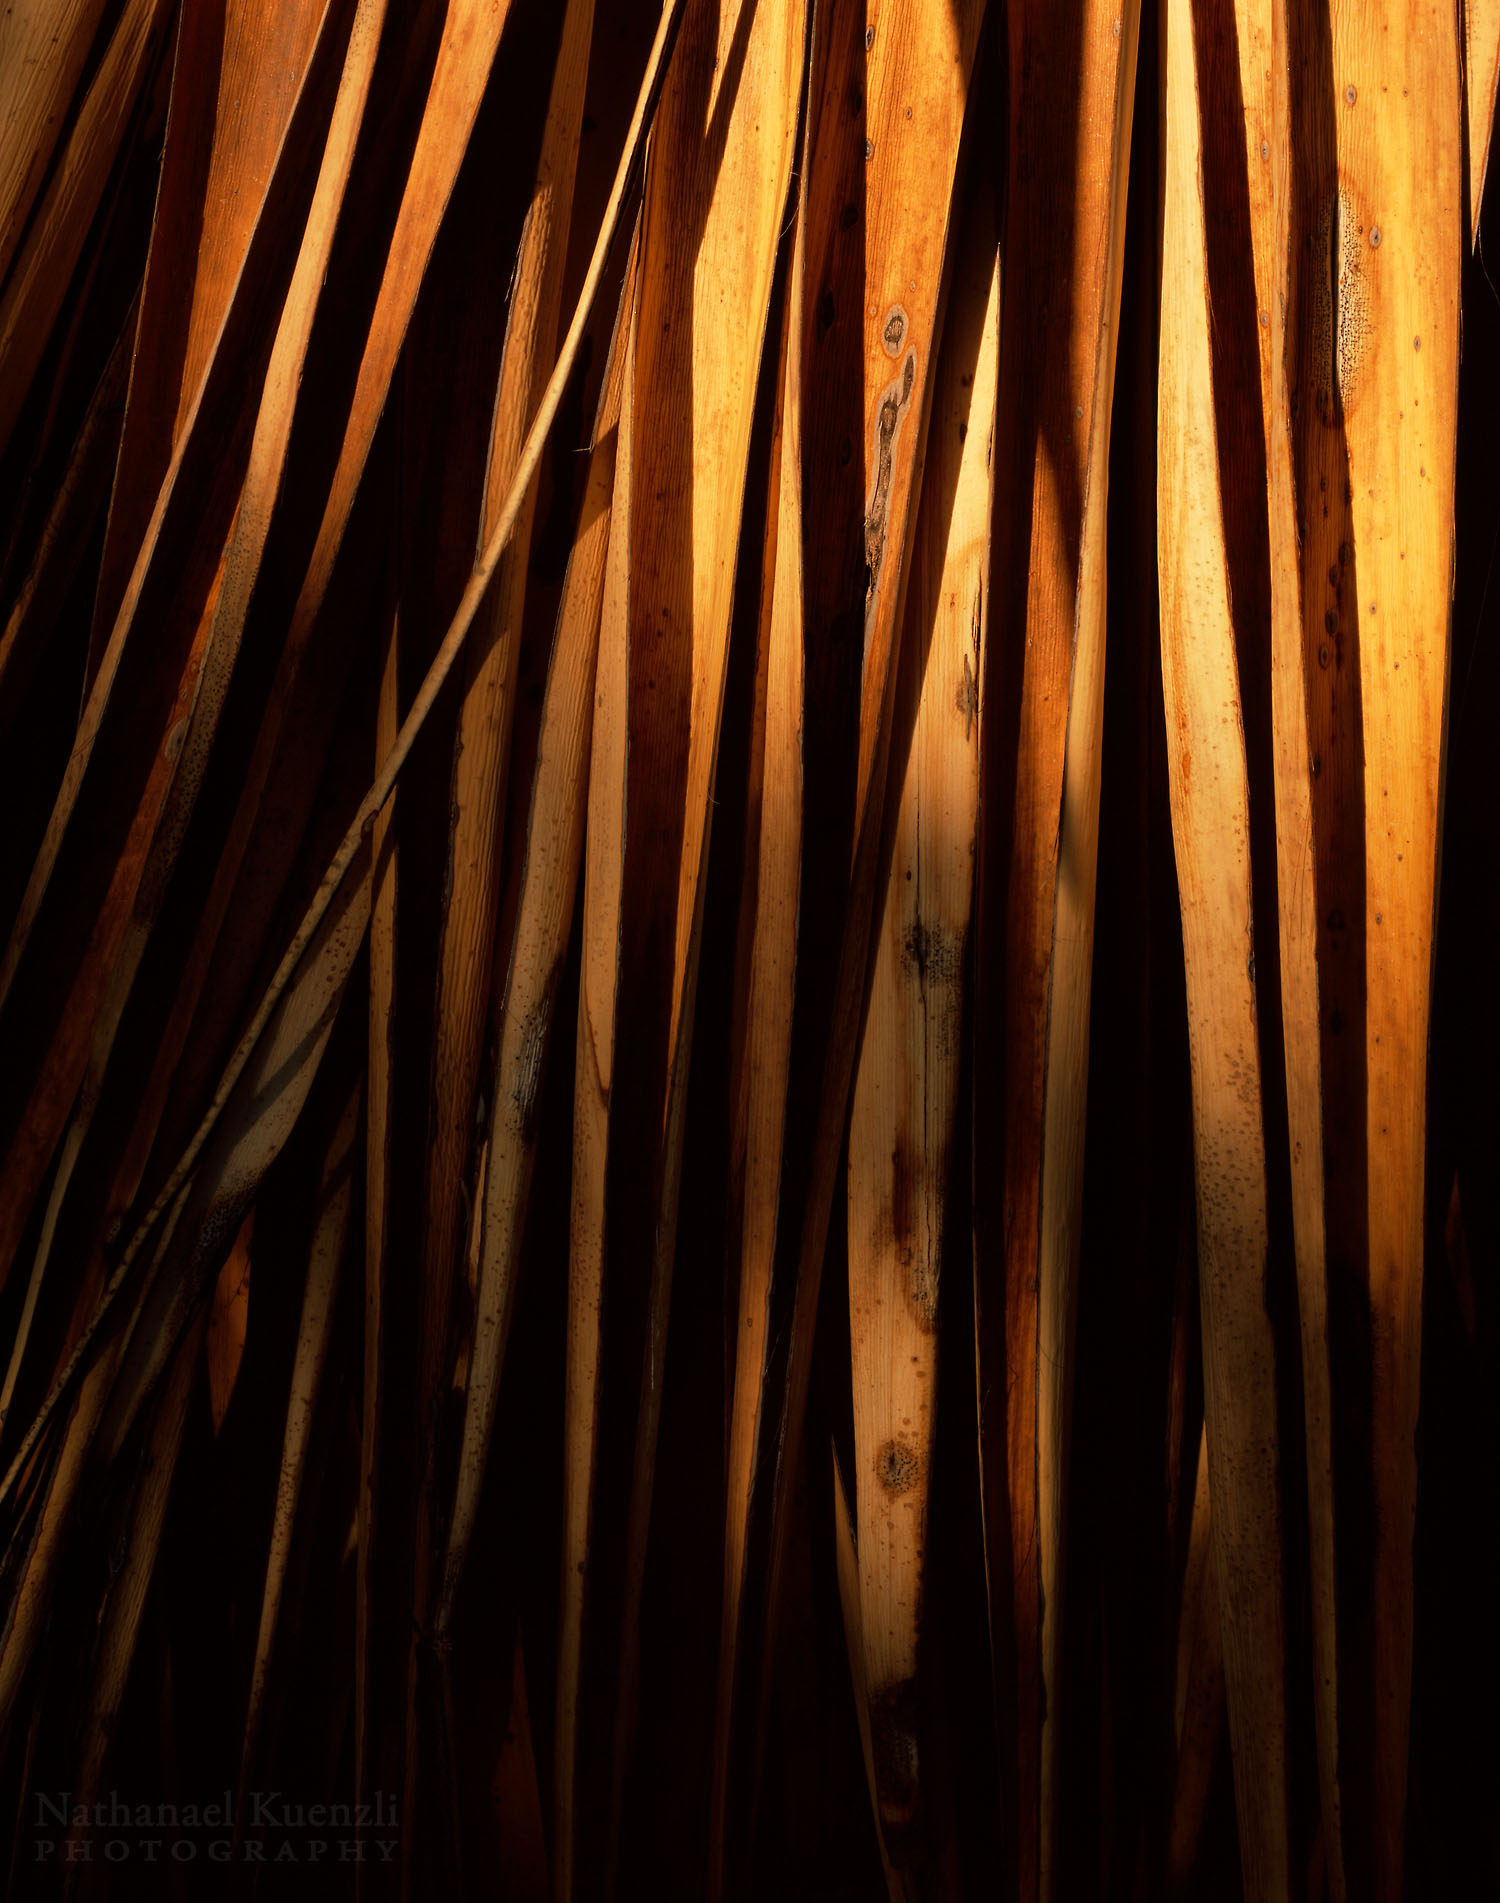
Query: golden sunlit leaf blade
(1211,827)
(906,1090)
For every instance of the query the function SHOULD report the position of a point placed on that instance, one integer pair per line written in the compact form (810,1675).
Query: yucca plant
(737,1155)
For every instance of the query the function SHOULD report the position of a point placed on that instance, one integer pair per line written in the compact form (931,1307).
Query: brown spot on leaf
(968,698)
(930,954)
(897,1466)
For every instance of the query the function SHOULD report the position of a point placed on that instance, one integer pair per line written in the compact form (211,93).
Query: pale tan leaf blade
(906,1088)
(1210,798)
(867,344)
(1400,171)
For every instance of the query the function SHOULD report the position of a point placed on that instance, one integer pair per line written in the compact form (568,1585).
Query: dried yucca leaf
(593,1086)
(465,955)
(248,1136)
(1372,361)
(1211,824)
(716,195)
(180,398)
(294,1004)
(1481,70)
(769,906)
(549,885)
(906,1089)
(877,218)
(34,291)
(235,86)
(1072,75)
(43,50)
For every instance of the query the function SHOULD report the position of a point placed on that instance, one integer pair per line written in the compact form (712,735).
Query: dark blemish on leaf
(929,954)
(869,148)
(825,314)
(1350,95)
(869,37)
(894,402)
(897,1466)
(893,331)
(530,1057)
(1341,306)
(968,698)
